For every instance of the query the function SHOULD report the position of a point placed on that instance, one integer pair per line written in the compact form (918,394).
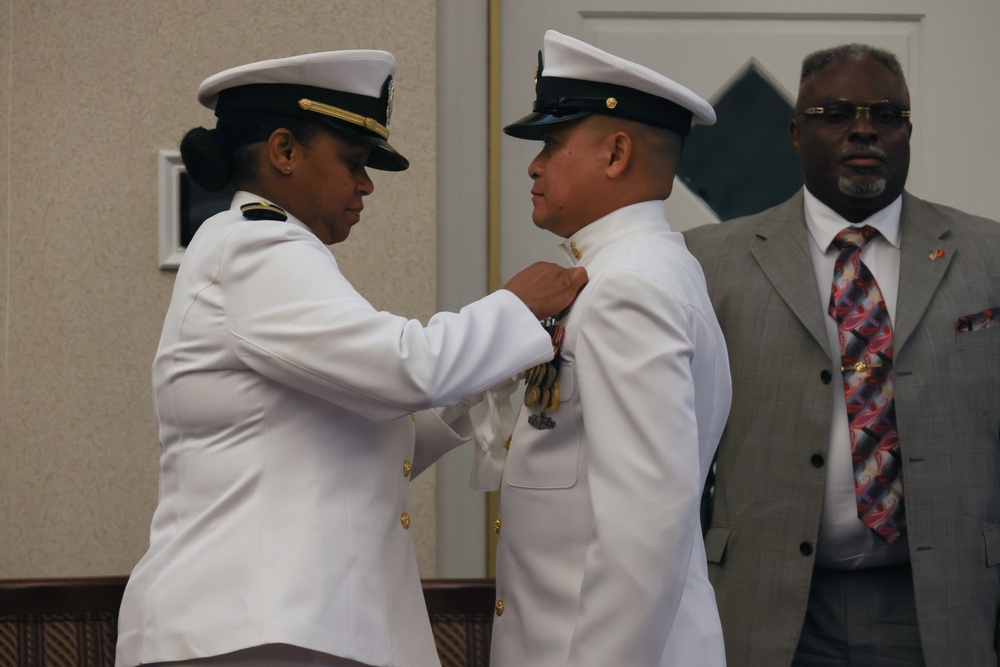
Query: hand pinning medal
(541,386)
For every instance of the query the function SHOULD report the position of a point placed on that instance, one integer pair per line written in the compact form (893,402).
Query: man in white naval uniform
(600,557)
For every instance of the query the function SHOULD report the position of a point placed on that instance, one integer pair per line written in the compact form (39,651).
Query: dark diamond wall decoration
(745,162)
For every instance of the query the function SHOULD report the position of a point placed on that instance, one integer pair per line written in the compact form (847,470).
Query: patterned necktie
(865,335)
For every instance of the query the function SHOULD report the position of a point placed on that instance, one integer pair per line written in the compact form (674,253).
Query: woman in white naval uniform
(600,558)
(286,402)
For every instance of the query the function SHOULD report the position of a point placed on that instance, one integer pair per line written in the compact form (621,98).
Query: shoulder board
(262,210)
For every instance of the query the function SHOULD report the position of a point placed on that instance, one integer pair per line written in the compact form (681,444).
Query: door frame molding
(468,232)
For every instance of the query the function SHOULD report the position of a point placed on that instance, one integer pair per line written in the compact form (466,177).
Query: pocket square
(984,320)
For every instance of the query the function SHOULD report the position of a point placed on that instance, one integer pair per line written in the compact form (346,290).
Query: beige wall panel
(93,91)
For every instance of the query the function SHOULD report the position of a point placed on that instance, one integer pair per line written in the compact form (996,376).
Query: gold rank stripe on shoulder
(262,210)
(348,116)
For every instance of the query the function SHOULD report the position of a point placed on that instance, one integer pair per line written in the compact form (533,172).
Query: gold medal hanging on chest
(541,383)
(541,387)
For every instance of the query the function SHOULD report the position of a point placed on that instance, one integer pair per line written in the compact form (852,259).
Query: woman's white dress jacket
(600,558)
(285,402)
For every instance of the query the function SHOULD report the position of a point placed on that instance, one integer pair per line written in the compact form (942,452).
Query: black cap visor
(537,123)
(382,157)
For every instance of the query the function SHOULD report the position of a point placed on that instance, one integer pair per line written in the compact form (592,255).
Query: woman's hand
(547,288)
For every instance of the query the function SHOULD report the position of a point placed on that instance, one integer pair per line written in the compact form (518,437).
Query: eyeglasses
(844,113)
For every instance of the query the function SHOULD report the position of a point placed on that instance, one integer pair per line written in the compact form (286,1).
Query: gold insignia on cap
(348,116)
(611,102)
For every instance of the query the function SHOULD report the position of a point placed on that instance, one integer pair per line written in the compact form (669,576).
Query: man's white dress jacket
(285,402)
(600,558)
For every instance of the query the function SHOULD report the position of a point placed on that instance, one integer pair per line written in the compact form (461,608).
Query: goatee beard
(862,188)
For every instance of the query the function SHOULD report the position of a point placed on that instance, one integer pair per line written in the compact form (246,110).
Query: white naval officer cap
(575,79)
(350,90)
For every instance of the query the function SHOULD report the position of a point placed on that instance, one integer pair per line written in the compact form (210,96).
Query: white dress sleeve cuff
(493,425)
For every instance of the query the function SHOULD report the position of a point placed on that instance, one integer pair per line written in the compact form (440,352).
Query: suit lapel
(782,251)
(919,276)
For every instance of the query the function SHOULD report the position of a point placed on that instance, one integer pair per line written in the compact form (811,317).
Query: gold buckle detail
(859,367)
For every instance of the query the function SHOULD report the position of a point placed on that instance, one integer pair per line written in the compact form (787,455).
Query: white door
(948,48)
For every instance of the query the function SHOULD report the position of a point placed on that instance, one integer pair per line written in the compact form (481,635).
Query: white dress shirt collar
(582,246)
(824,223)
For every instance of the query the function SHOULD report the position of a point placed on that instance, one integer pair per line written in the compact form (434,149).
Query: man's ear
(282,150)
(620,146)
(793,128)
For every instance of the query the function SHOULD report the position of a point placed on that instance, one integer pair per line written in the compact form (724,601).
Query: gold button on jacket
(405,520)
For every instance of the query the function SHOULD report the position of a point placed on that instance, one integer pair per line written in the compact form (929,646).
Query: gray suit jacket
(770,466)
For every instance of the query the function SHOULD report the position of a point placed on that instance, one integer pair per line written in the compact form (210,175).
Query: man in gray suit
(856,516)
